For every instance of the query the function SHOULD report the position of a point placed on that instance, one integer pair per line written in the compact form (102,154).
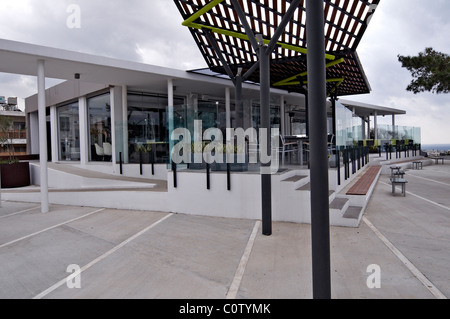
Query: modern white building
(109,116)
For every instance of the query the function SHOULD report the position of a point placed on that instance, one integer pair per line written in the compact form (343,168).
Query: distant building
(15,136)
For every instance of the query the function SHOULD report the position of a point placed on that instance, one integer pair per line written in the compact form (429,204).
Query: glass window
(99,110)
(148,127)
(69,132)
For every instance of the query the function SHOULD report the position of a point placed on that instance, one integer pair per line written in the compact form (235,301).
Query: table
(400,181)
(397,171)
(418,165)
(301,142)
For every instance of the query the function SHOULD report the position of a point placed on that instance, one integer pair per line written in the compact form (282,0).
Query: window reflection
(69,132)
(99,110)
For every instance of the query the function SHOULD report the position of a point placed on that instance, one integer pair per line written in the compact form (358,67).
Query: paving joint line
(413,269)
(235,285)
(50,228)
(99,259)
(422,198)
(21,212)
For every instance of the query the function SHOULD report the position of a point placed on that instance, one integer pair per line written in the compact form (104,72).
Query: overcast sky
(150,31)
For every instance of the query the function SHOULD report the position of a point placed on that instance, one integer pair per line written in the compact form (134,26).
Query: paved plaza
(125,254)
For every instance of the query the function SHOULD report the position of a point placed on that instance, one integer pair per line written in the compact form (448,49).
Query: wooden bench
(362,186)
(399,181)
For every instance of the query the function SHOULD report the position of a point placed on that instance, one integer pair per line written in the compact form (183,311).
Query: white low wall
(190,197)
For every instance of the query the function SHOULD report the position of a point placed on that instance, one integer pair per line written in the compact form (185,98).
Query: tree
(430,71)
(5,140)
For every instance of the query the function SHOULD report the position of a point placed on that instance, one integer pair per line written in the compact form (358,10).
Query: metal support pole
(228,177)
(43,155)
(238,101)
(208,176)
(320,207)
(174,172)
(266,179)
(121,163)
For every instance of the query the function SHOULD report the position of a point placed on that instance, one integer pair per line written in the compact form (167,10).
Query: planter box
(15,175)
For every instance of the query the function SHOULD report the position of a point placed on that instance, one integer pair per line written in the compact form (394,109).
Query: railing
(353,158)
(174,168)
(14,135)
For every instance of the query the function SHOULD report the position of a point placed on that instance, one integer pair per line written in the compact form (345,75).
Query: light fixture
(77,76)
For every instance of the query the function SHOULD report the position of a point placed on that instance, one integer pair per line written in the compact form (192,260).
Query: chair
(331,145)
(286,147)
(107,149)
(99,150)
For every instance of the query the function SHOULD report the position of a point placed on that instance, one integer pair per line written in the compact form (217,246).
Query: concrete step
(307,188)
(339,204)
(353,212)
(297,181)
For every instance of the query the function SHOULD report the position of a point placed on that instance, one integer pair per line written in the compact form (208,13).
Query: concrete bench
(418,165)
(437,159)
(399,181)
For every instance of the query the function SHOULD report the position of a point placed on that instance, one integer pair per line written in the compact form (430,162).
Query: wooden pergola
(225,32)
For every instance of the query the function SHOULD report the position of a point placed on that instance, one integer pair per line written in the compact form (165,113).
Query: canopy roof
(225,32)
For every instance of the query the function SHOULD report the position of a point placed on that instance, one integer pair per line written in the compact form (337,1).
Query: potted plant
(145,150)
(13,173)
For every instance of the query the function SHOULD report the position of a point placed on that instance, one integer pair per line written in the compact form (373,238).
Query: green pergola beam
(293,78)
(191,24)
(201,12)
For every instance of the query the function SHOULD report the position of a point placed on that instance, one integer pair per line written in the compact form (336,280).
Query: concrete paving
(133,254)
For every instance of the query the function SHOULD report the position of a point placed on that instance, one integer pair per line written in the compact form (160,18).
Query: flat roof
(12,113)
(366,109)
(21,58)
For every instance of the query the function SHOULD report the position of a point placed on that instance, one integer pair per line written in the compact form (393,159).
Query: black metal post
(228,177)
(153,164)
(320,207)
(175,177)
(238,101)
(266,179)
(338,165)
(121,163)
(208,176)
(140,164)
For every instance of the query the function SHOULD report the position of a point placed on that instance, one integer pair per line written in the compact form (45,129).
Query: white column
(43,137)
(34,133)
(375,123)
(170,111)
(228,107)
(84,130)
(125,123)
(282,116)
(363,128)
(54,133)
(393,127)
(116,122)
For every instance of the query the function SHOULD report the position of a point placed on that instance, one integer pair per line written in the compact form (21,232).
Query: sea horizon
(436,147)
